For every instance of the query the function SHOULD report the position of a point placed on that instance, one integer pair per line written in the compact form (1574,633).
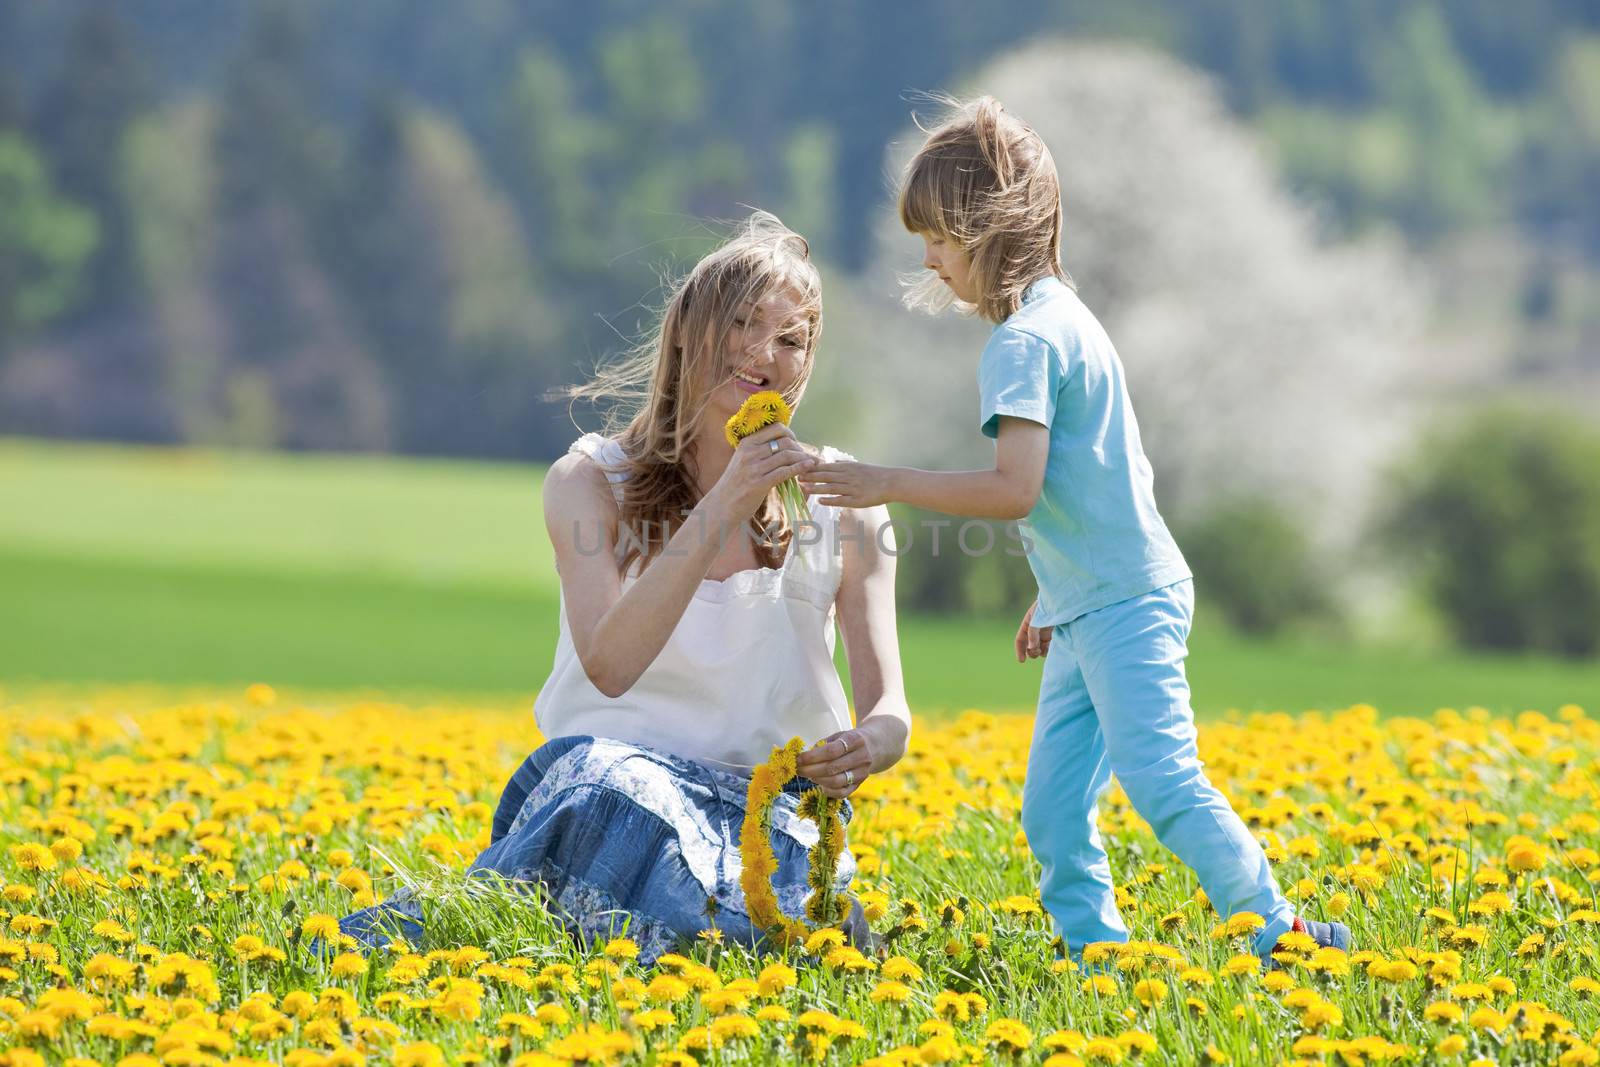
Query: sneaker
(1326,935)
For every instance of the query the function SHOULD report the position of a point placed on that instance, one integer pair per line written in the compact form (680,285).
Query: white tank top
(749,665)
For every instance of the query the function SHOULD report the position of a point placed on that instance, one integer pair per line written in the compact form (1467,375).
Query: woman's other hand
(839,764)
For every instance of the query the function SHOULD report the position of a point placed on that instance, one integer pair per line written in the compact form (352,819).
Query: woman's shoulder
(605,453)
(592,460)
(595,445)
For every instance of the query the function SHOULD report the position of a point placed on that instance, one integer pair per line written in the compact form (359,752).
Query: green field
(322,574)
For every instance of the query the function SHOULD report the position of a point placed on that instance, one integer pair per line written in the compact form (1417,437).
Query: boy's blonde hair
(985,180)
(662,388)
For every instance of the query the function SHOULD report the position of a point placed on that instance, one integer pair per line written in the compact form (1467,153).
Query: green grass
(121,565)
(111,621)
(426,520)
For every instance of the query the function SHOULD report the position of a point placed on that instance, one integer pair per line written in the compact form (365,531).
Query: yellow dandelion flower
(347,965)
(1486,1018)
(419,1054)
(1392,970)
(320,925)
(1277,981)
(1103,1050)
(952,1005)
(32,856)
(666,989)
(823,940)
(893,992)
(901,969)
(1009,1035)
(621,948)
(1150,991)
(1243,923)
(1243,963)
(774,979)
(734,1028)
(758,410)
(1524,854)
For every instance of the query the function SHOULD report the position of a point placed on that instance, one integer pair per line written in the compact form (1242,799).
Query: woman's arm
(866,613)
(618,635)
(1009,491)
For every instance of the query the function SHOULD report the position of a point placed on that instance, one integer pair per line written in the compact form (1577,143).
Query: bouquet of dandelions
(764,409)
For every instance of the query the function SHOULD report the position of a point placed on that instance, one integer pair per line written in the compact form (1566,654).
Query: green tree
(45,243)
(1501,513)
(81,123)
(810,158)
(438,266)
(561,152)
(1560,164)
(291,334)
(170,179)
(1253,561)
(1455,151)
(669,168)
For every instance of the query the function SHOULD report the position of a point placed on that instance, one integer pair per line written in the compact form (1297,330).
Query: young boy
(1116,597)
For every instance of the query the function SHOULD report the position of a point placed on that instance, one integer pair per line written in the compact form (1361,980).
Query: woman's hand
(839,764)
(1032,641)
(756,467)
(849,484)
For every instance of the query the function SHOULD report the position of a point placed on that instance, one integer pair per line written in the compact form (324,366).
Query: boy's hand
(849,484)
(1032,641)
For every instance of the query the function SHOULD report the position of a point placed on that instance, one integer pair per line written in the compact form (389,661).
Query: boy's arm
(1009,491)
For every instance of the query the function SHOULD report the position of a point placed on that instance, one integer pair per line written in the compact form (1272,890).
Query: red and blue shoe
(1326,935)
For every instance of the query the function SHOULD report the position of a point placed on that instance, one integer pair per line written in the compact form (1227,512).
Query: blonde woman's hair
(985,180)
(660,390)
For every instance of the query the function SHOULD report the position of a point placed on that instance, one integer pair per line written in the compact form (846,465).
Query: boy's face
(946,259)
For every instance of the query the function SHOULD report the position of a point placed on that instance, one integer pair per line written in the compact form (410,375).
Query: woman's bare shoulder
(576,482)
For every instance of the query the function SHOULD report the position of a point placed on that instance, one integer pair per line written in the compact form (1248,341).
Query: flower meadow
(165,866)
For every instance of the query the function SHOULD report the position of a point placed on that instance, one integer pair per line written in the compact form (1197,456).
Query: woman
(696,628)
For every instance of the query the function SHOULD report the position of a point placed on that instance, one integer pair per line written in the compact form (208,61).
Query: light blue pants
(1114,699)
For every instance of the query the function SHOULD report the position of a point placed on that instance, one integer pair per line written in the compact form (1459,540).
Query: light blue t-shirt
(1095,534)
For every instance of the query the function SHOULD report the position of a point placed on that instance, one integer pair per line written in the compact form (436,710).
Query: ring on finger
(772,446)
(849,778)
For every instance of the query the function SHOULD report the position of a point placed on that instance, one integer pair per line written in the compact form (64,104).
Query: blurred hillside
(1313,230)
(305,224)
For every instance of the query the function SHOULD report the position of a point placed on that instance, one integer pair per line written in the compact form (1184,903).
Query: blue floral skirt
(629,841)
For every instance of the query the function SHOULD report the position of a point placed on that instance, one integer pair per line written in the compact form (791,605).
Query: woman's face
(766,349)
